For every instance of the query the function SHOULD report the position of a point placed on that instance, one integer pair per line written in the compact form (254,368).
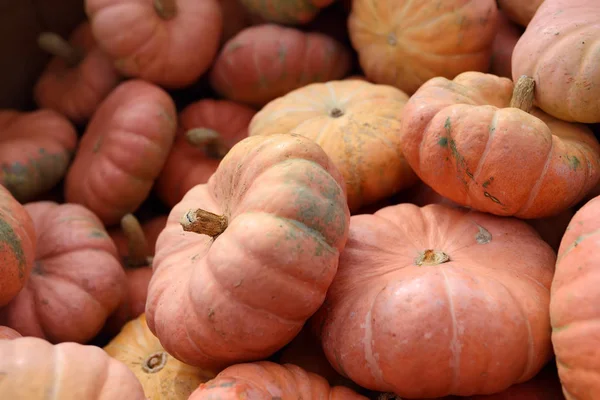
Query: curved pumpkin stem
(204,223)
(166,9)
(138,251)
(523,94)
(210,139)
(59,47)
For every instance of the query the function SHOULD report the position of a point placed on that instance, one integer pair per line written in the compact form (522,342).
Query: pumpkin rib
(454,346)
(535,190)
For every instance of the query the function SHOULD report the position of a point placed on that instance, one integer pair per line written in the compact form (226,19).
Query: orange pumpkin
(32,368)
(474,142)
(356,123)
(519,11)
(78,78)
(8,333)
(291,12)
(574,308)
(559,49)
(504,43)
(405,43)
(265,380)
(76,281)
(264,62)
(122,150)
(207,130)
(36,148)
(235,275)
(167,42)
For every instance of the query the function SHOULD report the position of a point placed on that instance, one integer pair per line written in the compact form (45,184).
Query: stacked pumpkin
(348,199)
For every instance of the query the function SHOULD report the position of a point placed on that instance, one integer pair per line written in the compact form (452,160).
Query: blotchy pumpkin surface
(286,11)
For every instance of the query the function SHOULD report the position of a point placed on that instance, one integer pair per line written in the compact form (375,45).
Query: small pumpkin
(266,380)
(161,39)
(237,276)
(519,11)
(504,43)
(161,375)
(78,78)
(405,43)
(356,123)
(33,368)
(460,294)
(8,333)
(36,148)
(477,141)
(207,130)
(559,49)
(266,61)
(122,151)
(290,12)
(76,281)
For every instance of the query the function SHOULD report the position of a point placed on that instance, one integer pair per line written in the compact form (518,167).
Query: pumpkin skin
(519,11)
(8,333)
(17,246)
(78,78)
(235,18)
(161,375)
(76,282)
(277,282)
(161,44)
(192,162)
(559,49)
(462,139)
(34,368)
(356,123)
(438,288)
(574,306)
(282,59)
(36,148)
(111,173)
(289,12)
(266,380)
(405,43)
(504,44)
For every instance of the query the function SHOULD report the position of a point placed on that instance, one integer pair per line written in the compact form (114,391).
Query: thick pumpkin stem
(432,257)
(210,139)
(155,362)
(523,93)
(204,222)
(166,9)
(59,47)
(137,245)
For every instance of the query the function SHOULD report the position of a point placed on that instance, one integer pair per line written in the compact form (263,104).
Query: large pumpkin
(574,308)
(474,142)
(459,294)
(559,49)
(122,150)
(76,281)
(520,11)
(356,123)
(286,11)
(405,43)
(504,43)
(247,258)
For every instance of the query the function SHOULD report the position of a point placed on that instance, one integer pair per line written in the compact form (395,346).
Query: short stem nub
(155,362)
(336,112)
(523,94)
(432,257)
(209,139)
(166,9)
(204,222)
(59,47)
(137,245)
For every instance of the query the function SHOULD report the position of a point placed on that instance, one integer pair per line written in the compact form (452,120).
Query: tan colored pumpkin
(519,11)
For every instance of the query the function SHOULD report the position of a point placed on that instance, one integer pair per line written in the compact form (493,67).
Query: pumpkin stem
(388,396)
(155,362)
(204,223)
(166,9)
(137,245)
(523,94)
(59,47)
(432,257)
(210,139)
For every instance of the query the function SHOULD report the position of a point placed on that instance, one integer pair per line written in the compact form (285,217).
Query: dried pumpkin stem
(432,257)
(210,139)
(59,47)
(155,362)
(523,93)
(166,9)
(137,245)
(204,222)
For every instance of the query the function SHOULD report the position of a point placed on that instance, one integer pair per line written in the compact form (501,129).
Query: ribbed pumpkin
(286,11)
(356,123)
(520,11)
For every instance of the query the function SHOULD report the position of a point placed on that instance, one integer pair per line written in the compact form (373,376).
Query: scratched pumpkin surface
(286,11)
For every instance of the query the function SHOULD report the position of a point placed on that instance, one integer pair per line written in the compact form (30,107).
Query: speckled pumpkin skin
(290,12)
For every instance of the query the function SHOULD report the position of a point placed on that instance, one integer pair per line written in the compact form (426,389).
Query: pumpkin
(17,246)
(236,276)
(478,144)
(356,123)
(438,289)
(158,41)
(559,49)
(8,333)
(235,18)
(504,44)
(35,369)
(36,148)
(574,303)
(519,11)
(76,281)
(267,61)
(207,130)
(161,375)
(122,150)
(291,12)
(78,78)
(266,380)
(405,43)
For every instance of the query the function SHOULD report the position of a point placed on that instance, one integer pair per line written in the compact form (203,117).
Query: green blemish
(488,182)
(578,240)
(443,142)
(492,198)
(38,268)
(448,125)
(574,162)
(281,53)
(10,239)
(97,145)
(96,233)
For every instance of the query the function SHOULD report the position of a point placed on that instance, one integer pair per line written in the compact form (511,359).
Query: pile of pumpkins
(306,199)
